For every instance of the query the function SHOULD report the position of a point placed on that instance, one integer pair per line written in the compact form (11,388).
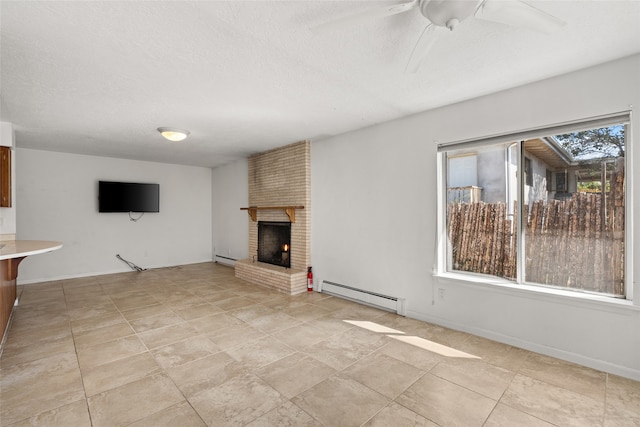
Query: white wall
(57,197)
(374,218)
(537,191)
(230,185)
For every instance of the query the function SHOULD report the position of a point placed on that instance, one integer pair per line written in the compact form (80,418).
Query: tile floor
(194,346)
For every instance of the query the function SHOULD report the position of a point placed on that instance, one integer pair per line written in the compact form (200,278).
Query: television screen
(128,197)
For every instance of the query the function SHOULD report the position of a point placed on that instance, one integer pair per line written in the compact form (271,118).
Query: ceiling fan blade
(519,14)
(420,51)
(366,16)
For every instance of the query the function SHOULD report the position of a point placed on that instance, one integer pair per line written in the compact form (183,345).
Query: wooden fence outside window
(574,243)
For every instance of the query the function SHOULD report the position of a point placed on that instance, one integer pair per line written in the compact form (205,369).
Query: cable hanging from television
(135,219)
(130,264)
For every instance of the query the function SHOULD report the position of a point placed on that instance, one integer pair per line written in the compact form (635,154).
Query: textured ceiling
(98,77)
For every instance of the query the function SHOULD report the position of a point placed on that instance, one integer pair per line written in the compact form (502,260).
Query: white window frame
(520,284)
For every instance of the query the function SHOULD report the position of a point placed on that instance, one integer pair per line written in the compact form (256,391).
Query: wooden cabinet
(12,252)
(8,291)
(5,177)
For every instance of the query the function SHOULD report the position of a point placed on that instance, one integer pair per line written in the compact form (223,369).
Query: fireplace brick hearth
(280,177)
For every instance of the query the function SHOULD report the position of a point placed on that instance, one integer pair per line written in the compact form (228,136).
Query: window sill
(579,299)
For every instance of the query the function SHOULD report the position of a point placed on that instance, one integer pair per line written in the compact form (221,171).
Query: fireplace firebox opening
(274,243)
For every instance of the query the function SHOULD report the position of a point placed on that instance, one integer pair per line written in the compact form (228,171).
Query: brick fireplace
(280,193)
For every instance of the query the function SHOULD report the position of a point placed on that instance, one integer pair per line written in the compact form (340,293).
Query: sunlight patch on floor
(373,327)
(422,343)
(434,347)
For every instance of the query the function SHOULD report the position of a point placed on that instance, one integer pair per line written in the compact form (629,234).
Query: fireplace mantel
(290,211)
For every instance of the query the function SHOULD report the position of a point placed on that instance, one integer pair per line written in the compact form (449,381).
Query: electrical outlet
(441,294)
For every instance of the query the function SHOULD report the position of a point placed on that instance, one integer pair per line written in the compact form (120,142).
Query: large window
(523,228)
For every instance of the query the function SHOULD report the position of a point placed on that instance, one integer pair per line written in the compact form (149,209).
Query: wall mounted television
(128,197)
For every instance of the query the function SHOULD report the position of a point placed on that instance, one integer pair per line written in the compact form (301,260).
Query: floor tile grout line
(518,371)
(547,384)
(563,387)
(75,347)
(499,400)
(126,321)
(186,400)
(407,408)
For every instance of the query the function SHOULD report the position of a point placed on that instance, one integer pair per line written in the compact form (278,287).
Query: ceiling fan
(447,14)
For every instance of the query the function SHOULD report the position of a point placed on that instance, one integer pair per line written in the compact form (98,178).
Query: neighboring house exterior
(490,175)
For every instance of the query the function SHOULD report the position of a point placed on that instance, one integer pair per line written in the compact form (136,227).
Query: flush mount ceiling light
(173,134)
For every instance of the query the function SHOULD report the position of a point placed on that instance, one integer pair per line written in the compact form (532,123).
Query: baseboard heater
(396,305)
(224,260)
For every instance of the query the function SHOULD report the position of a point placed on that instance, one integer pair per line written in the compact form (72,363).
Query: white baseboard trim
(102,273)
(600,365)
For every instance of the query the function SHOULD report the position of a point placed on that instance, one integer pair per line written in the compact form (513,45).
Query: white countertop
(20,248)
